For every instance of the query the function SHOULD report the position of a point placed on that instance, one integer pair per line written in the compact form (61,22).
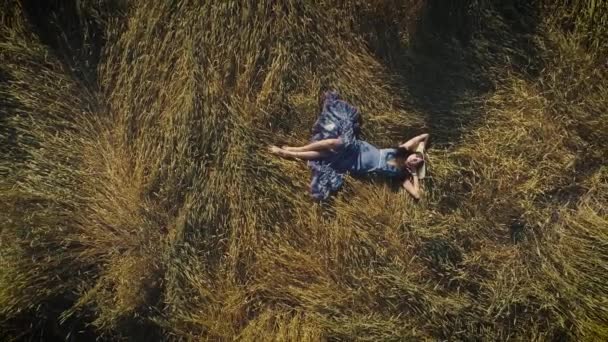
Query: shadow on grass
(454,57)
(8,134)
(73,30)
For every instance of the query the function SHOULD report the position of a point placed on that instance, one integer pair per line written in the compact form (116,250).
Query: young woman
(336,149)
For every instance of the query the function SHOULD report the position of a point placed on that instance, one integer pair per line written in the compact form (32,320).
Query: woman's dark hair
(402,154)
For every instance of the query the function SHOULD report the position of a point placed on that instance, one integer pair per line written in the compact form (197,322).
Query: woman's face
(414,160)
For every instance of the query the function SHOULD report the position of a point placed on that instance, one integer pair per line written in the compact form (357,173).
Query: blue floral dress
(339,119)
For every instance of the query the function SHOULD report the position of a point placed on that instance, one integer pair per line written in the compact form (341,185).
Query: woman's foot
(278,151)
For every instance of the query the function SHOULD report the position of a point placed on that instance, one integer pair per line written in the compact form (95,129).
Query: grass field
(139,202)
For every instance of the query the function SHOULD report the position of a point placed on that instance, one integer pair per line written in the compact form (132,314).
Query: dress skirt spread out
(338,119)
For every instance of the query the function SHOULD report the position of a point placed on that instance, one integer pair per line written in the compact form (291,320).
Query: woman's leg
(306,155)
(321,145)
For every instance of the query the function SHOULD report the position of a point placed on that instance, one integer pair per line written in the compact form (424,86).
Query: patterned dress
(339,119)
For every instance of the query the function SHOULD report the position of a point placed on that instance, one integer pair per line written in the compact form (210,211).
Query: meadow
(139,202)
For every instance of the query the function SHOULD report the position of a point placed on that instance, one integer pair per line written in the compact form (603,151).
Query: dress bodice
(388,154)
(373,160)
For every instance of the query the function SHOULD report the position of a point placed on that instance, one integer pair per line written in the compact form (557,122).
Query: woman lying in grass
(336,149)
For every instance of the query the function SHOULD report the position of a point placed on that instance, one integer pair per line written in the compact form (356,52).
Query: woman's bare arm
(412,144)
(413,187)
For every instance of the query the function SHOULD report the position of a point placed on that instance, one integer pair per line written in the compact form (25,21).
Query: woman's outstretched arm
(412,144)
(413,187)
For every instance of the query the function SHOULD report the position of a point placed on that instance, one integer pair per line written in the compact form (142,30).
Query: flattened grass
(139,200)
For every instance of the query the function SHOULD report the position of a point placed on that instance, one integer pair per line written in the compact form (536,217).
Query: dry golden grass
(139,201)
